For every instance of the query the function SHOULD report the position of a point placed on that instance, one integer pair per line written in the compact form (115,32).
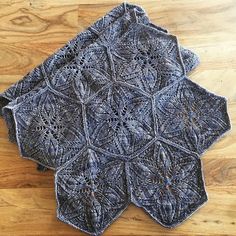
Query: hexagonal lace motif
(91,191)
(191,116)
(167,182)
(49,130)
(120,120)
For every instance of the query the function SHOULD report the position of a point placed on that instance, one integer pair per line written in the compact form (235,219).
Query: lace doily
(114,113)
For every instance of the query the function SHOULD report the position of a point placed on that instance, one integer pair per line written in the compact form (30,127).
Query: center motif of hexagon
(120,120)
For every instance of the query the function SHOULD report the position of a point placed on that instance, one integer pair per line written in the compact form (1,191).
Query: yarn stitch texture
(35,80)
(65,54)
(121,123)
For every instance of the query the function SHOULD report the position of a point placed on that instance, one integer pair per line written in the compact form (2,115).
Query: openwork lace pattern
(120,123)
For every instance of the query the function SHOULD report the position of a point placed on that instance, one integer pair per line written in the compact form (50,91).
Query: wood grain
(30,30)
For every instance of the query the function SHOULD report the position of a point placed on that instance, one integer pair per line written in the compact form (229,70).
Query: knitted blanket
(115,115)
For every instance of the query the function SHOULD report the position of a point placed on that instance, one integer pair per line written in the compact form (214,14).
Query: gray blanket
(115,115)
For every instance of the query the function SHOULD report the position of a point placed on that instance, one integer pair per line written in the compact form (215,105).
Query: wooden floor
(30,30)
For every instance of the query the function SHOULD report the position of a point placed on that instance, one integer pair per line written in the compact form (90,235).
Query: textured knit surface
(122,123)
(95,67)
(34,79)
(121,16)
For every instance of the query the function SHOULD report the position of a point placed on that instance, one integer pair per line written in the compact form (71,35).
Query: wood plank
(19,22)
(20,58)
(22,22)
(25,211)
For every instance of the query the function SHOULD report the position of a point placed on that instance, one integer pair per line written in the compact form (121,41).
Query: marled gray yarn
(34,80)
(121,123)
